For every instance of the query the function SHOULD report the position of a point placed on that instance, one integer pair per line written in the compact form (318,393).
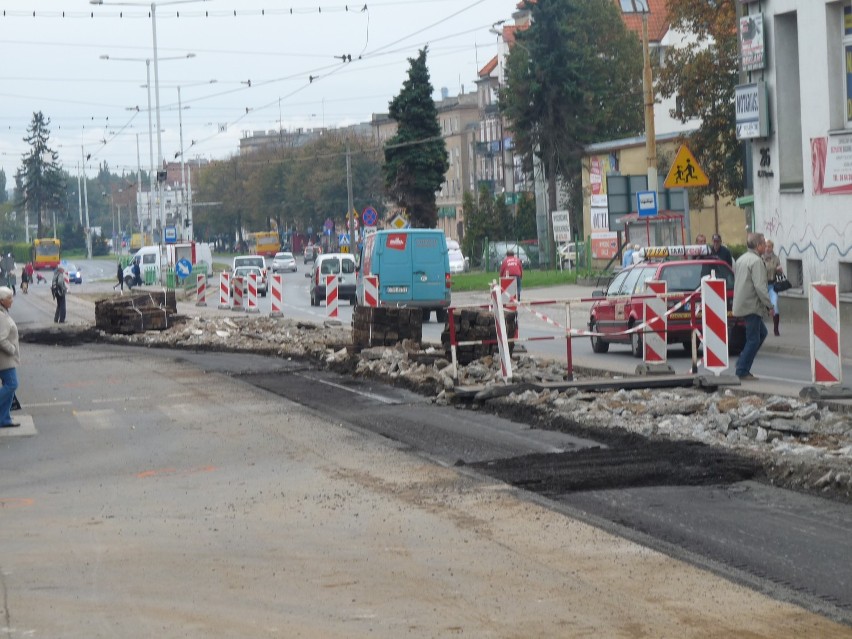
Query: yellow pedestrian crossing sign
(685,172)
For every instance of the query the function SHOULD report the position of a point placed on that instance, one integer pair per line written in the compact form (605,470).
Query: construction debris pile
(799,444)
(136,313)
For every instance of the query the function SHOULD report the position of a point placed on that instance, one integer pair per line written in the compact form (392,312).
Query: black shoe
(748,377)
(10,425)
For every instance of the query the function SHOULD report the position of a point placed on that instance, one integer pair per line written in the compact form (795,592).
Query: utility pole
(350,214)
(86,202)
(648,90)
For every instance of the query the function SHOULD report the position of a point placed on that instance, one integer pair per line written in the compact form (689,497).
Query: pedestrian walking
(751,302)
(10,357)
(25,280)
(120,276)
(58,289)
(773,269)
(137,273)
(512,267)
(11,281)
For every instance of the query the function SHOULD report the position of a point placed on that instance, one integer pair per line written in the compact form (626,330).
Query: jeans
(756,332)
(59,315)
(9,377)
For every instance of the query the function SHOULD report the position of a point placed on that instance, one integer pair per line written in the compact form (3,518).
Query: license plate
(397,289)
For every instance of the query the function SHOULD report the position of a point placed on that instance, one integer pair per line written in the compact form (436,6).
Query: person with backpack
(58,289)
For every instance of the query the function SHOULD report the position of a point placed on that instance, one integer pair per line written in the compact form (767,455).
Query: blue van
(413,268)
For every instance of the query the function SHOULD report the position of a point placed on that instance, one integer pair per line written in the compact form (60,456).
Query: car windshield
(242,262)
(284,256)
(685,278)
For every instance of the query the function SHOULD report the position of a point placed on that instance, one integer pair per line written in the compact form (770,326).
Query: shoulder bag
(781,283)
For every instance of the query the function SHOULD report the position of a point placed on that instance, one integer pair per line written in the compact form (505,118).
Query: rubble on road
(800,445)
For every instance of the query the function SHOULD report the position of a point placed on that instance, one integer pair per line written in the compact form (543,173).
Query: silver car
(242,273)
(283,262)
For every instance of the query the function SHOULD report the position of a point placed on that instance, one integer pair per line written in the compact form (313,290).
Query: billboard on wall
(604,245)
(831,165)
(752,43)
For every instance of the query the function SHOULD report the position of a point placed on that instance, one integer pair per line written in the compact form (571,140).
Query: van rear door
(430,265)
(394,267)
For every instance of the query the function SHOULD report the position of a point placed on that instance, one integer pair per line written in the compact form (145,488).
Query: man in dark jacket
(720,251)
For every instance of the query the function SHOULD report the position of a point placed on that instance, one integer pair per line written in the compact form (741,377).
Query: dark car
(621,305)
(75,276)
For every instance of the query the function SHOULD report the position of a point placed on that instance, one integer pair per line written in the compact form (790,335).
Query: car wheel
(427,313)
(441,315)
(598,344)
(352,301)
(314,301)
(636,344)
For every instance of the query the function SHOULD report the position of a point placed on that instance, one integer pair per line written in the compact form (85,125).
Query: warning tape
(584,333)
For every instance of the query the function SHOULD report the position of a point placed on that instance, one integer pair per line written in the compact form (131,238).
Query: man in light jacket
(10,357)
(751,301)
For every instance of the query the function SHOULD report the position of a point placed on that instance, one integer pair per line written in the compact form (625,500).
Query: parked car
(311,253)
(75,276)
(243,273)
(283,261)
(458,262)
(620,308)
(496,252)
(567,254)
(341,265)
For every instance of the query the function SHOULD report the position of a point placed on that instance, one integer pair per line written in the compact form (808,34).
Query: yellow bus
(266,243)
(45,253)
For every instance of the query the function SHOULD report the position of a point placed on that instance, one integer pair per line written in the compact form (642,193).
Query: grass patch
(480,281)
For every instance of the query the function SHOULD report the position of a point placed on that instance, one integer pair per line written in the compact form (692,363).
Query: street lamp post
(153,6)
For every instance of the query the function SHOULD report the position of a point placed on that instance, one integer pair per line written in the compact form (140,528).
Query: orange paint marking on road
(175,471)
(16,502)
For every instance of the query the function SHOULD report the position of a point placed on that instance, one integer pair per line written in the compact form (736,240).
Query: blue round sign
(183,268)
(369,216)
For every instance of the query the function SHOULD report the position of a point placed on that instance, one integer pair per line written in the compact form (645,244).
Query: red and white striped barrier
(201,290)
(826,364)
(276,294)
(371,291)
(502,340)
(655,350)
(509,288)
(224,290)
(251,305)
(331,295)
(714,324)
(238,294)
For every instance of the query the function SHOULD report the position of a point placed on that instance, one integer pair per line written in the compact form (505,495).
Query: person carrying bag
(777,282)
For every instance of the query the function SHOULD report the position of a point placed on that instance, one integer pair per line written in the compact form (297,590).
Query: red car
(621,307)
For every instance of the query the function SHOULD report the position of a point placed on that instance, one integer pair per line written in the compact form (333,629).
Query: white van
(458,262)
(158,258)
(340,264)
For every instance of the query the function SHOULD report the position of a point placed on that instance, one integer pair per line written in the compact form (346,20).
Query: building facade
(795,107)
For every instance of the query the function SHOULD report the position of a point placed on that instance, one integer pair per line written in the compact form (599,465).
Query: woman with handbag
(773,269)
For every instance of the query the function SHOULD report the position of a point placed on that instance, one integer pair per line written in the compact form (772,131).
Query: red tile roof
(658,20)
(488,68)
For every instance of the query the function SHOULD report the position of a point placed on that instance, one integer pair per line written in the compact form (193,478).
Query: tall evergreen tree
(416,157)
(574,77)
(4,196)
(42,187)
(703,74)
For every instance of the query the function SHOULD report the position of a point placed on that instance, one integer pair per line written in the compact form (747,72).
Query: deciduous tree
(703,74)
(573,78)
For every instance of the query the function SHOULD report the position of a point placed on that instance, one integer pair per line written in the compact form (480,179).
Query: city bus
(266,243)
(45,253)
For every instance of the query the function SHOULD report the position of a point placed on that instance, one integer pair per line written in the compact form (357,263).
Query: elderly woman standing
(10,357)
(773,267)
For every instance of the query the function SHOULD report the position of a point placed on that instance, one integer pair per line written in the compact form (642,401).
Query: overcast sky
(53,64)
